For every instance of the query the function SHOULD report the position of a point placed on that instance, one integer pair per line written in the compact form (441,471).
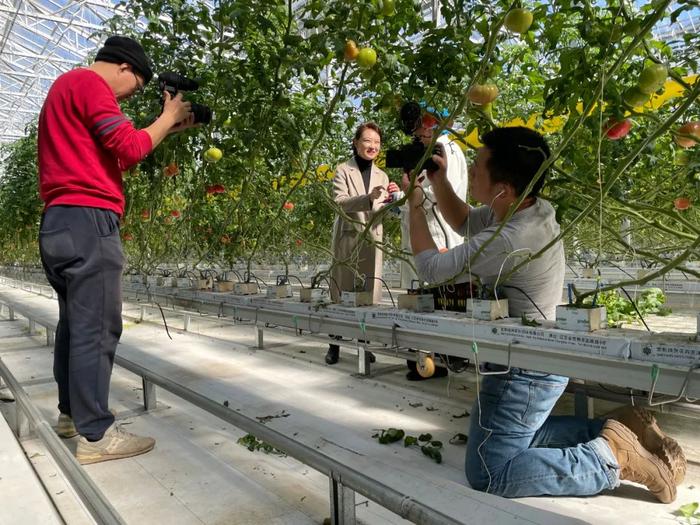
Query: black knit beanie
(124,50)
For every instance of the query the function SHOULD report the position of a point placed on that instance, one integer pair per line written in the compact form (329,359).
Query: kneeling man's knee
(477,475)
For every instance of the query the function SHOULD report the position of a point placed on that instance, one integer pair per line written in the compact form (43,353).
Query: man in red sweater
(85,142)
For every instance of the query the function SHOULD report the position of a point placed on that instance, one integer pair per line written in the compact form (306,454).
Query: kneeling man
(516,448)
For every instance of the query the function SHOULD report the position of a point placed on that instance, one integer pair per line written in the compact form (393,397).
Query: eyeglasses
(139,86)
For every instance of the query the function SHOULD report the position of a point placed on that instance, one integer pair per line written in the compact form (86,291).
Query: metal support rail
(94,500)
(629,373)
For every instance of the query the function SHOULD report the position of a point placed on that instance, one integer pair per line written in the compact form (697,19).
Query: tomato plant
(289,87)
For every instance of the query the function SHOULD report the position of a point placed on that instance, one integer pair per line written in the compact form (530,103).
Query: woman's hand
(392,187)
(376,193)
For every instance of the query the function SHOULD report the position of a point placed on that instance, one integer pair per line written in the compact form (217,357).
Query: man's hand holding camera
(439,160)
(179,110)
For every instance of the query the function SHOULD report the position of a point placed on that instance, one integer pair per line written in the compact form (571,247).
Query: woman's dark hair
(516,156)
(367,125)
(360,129)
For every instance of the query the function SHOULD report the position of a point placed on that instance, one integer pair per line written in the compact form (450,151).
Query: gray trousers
(82,256)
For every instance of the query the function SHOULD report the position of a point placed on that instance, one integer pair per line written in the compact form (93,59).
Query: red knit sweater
(85,142)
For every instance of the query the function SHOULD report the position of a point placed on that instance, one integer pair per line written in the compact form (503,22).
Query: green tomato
(652,78)
(388,8)
(681,158)
(632,27)
(213,155)
(518,20)
(367,58)
(633,97)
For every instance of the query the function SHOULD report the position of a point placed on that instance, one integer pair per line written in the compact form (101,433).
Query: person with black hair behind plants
(516,448)
(359,189)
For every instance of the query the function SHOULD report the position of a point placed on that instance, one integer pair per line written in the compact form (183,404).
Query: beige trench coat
(349,193)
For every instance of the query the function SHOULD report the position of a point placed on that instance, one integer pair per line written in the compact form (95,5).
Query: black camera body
(173,83)
(407,157)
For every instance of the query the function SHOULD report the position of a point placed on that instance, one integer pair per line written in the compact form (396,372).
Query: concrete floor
(199,474)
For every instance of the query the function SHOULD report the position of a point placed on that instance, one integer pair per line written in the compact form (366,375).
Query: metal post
(12,312)
(583,405)
(436,11)
(149,394)
(50,337)
(363,364)
(342,503)
(32,326)
(186,322)
(261,343)
(21,426)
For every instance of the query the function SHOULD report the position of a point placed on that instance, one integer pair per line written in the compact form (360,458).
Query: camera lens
(202,114)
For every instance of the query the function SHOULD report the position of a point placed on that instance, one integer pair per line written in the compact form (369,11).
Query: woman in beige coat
(360,189)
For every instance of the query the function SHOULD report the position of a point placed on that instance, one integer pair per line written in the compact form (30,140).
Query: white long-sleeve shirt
(441,232)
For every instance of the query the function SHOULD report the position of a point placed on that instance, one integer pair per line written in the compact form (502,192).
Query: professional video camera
(408,155)
(174,82)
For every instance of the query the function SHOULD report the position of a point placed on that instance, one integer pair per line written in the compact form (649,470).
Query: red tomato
(350,52)
(616,130)
(216,188)
(171,170)
(681,203)
(689,128)
(145,215)
(289,206)
(127,236)
(299,242)
(175,214)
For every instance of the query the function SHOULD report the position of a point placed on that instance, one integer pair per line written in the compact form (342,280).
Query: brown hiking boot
(643,423)
(637,463)
(115,444)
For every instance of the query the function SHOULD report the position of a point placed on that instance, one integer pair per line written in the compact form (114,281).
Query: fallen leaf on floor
(265,419)
(459,439)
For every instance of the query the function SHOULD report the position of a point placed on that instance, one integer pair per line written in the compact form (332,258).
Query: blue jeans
(528,452)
